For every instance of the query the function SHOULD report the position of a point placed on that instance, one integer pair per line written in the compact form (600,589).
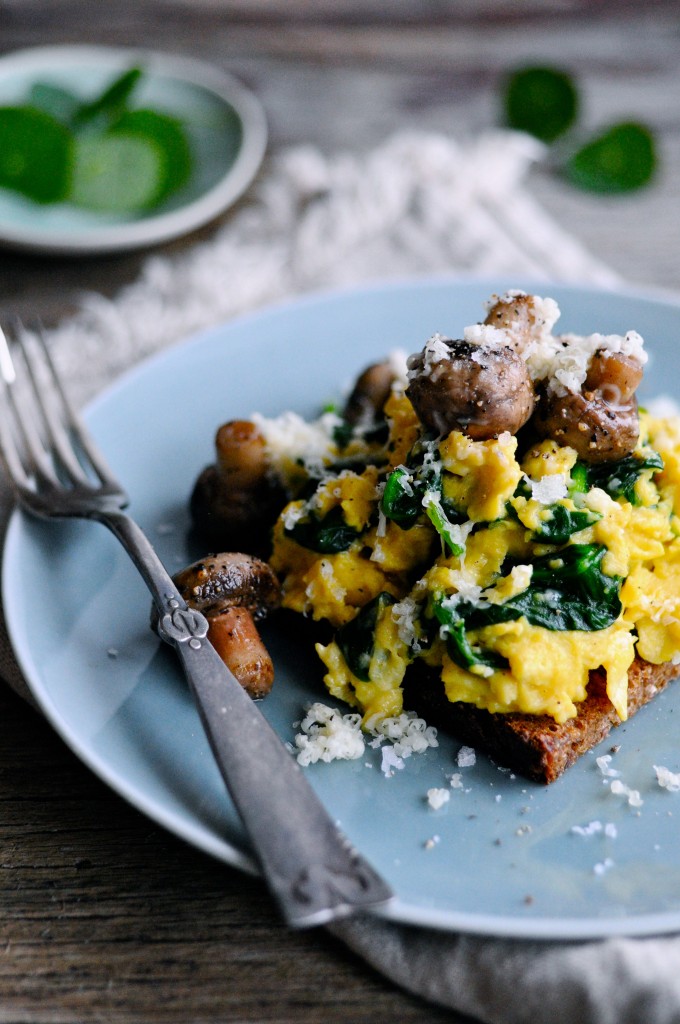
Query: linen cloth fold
(416,204)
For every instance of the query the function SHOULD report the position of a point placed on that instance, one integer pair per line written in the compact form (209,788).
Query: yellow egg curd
(513,574)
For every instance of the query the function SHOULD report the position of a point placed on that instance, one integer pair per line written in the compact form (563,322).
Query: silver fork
(56,472)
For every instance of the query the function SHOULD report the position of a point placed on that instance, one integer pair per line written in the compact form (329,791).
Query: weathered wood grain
(105,917)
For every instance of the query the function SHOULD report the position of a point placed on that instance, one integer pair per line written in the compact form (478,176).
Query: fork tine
(72,422)
(48,446)
(8,447)
(44,394)
(34,460)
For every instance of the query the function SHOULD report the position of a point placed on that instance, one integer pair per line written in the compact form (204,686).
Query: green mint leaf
(621,160)
(541,101)
(117,173)
(35,154)
(168,134)
(52,99)
(111,103)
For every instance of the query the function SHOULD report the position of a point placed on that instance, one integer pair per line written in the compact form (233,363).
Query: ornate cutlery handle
(314,873)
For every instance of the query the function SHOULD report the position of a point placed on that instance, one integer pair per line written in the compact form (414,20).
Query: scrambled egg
(513,576)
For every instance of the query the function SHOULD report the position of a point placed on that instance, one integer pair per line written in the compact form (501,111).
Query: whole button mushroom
(601,421)
(234,591)
(371,390)
(480,390)
(235,501)
(523,317)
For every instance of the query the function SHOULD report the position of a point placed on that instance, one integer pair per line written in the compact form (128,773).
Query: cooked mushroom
(234,591)
(519,315)
(475,388)
(369,394)
(601,421)
(235,502)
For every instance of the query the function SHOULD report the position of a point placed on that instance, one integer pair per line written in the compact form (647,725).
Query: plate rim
(555,928)
(161,227)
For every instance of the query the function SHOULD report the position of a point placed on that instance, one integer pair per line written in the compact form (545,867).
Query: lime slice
(168,133)
(117,173)
(35,154)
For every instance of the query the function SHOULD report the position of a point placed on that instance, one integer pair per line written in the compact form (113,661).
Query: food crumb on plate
(391,762)
(466,757)
(327,734)
(436,798)
(594,828)
(667,779)
(430,843)
(604,764)
(619,788)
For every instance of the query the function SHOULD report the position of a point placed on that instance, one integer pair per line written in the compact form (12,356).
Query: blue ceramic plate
(223,120)
(501,857)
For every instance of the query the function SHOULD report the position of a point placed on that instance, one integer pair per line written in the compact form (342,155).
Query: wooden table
(103,915)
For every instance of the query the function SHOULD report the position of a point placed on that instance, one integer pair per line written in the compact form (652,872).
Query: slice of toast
(533,745)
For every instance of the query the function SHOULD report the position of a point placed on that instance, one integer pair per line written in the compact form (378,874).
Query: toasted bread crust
(533,745)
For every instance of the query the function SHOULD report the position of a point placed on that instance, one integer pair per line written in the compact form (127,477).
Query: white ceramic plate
(504,859)
(224,121)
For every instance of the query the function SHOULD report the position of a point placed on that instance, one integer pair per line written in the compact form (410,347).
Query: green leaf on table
(541,101)
(117,173)
(167,133)
(621,160)
(111,104)
(35,154)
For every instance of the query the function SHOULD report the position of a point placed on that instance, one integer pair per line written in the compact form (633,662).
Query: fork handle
(313,871)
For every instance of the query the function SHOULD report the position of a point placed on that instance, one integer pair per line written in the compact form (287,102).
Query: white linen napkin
(416,204)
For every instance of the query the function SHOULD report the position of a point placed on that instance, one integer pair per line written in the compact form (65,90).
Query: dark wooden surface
(104,916)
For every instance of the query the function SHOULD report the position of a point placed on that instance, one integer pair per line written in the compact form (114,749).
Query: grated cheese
(619,788)
(563,361)
(466,757)
(604,764)
(405,614)
(391,762)
(435,351)
(436,798)
(667,779)
(327,735)
(549,488)
(408,733)
(291,440)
